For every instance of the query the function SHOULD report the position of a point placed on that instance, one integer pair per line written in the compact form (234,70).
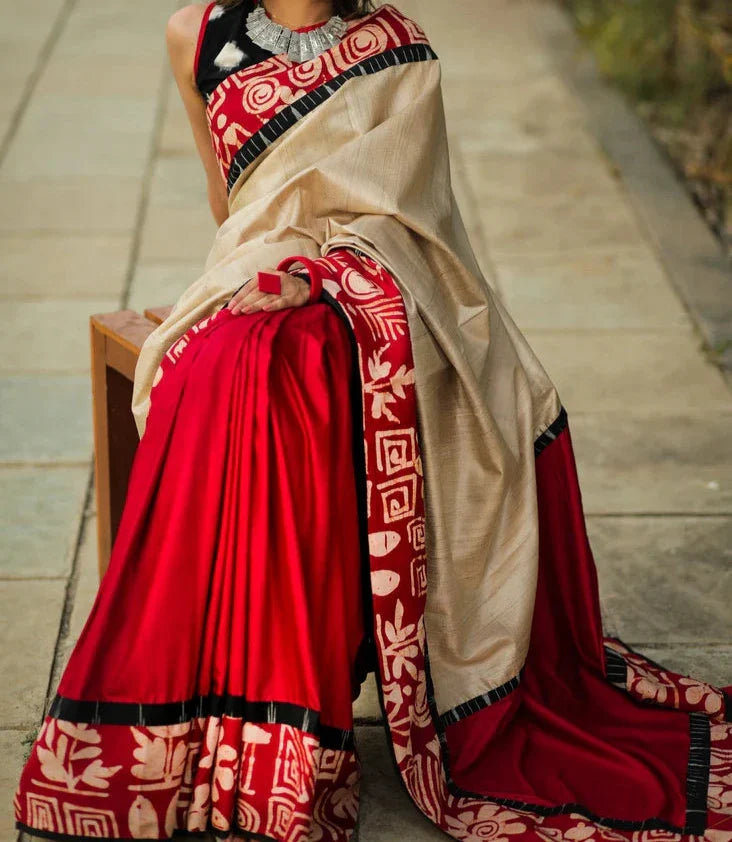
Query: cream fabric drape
(369,167)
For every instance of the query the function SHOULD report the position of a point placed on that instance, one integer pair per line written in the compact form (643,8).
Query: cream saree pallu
(510,714)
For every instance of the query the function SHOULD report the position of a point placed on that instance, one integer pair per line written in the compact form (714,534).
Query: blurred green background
(673,58)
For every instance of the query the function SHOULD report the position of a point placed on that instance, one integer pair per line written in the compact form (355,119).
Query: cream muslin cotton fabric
(369,168)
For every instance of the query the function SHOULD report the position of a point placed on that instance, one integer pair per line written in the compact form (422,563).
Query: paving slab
(533,116)
(13,752)
(51,335)
(32,610)
(539,173)
(116,28)
(160,284)
(114,140)
(119,75)
(45,418)
(40,513)
(179,181)
(603,288)
(669,463)
(26,28)
(86,587)
(601,371)
(179,225)
(86,204)
(176,137)
(665,579)
(45,265)
(177,233)
(558,222)
(386,811)
(366,706)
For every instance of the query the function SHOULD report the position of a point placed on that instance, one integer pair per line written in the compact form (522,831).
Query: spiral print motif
(363,42)
(307,72)
(261,94)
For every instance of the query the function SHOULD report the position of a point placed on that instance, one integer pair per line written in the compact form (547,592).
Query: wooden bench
(116,339)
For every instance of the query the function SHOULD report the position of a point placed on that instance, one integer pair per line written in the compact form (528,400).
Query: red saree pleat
(258,460)
(215,674)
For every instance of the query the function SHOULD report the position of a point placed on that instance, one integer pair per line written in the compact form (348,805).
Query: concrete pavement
(103,205)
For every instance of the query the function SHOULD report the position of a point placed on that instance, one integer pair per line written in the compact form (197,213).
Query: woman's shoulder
(218,44)
(184,23)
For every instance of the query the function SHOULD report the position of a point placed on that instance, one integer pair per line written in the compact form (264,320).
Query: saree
(509,713)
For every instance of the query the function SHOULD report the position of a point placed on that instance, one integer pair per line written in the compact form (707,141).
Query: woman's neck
(297,13)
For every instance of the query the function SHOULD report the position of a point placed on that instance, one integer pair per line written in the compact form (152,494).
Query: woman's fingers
(244,291)
(249,298)
(246,301)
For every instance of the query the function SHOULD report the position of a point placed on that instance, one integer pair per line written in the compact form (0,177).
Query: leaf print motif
(379,406)
(53,767)
(254,734)
(170,815)
(179,760)
(152,754)
(142,819)
(399,644)
(79,731)
(401,379)
(84,753)
(378,369)
(96,774)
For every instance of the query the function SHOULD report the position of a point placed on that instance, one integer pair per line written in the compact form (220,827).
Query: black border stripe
(461,711)
(616,669)
(290,114)
(170,713)
(697,773)
(551,432)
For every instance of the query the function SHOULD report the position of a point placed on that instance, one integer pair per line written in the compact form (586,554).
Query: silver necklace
(300,46)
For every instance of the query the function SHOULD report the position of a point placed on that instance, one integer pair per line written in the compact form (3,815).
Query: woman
(380,415)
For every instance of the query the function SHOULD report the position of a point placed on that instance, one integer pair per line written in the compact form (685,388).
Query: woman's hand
(249,299)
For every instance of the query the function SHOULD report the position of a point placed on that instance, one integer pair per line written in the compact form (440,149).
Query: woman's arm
(182,36)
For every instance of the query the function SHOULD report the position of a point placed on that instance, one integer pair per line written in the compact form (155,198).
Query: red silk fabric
(565,716)
(232,510)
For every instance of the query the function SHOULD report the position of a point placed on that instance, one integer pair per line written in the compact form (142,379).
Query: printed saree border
(99,712)
(177,834)
(291,114)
